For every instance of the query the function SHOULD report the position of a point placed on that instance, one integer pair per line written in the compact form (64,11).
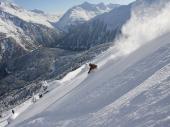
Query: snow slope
(130,87)
(123,88)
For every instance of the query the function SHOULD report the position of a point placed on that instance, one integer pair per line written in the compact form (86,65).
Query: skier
(92,67)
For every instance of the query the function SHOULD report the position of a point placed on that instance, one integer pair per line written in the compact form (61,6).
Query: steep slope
(82,13)
(25,73)
(130,87)
(104,97)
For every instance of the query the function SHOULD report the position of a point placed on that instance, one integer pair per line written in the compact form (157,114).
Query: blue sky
(60,6)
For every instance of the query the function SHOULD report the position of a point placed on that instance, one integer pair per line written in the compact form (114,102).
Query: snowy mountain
(20,24)
(130,87)
(82,13)
(28,16)
(101,29)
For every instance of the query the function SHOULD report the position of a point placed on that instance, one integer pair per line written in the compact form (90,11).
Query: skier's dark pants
(89,70)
